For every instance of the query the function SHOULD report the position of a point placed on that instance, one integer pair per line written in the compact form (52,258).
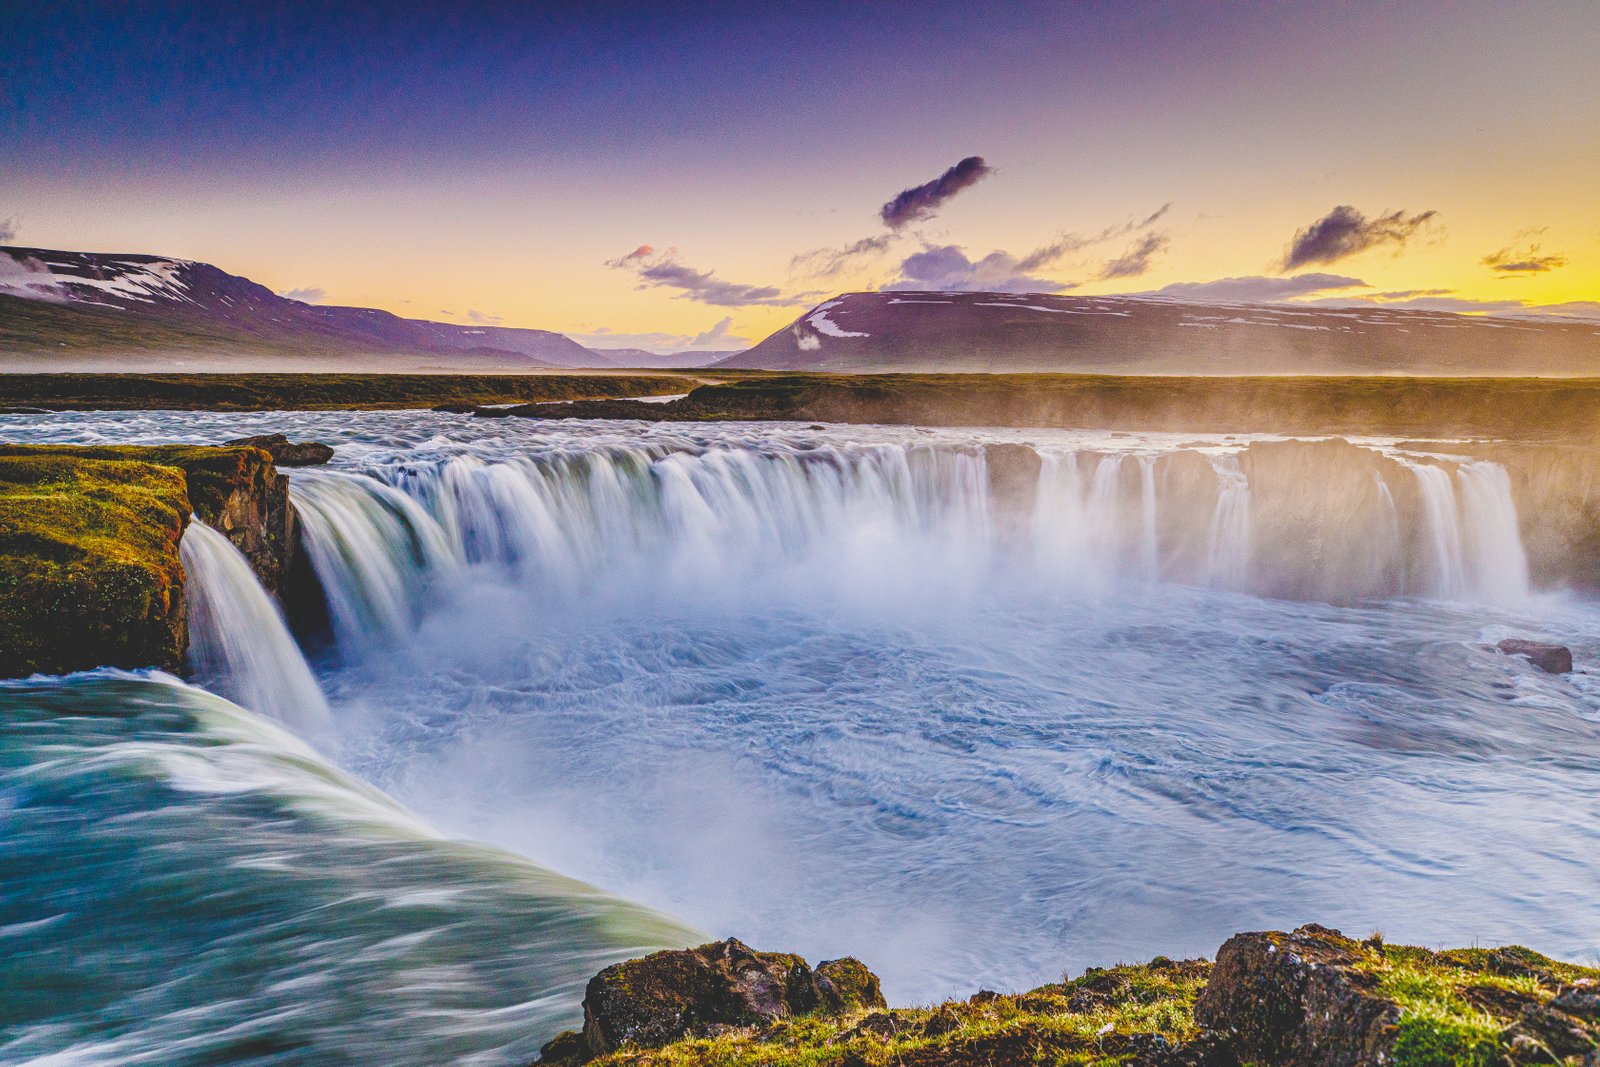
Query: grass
(313,392)
(1089,1020)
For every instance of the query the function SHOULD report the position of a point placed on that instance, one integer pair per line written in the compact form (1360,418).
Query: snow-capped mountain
(926,331)
(130,304)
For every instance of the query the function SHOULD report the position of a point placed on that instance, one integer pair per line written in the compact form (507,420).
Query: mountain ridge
(131,304)
(1008,332)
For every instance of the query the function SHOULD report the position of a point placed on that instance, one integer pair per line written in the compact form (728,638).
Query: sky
(673,175)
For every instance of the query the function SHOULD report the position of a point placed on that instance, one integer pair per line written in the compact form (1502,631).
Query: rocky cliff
(89,535)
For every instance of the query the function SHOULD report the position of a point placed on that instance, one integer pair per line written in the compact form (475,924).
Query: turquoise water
(183,882)
(812,688)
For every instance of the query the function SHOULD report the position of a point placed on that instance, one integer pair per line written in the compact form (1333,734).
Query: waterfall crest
(1324,520)
(238,643)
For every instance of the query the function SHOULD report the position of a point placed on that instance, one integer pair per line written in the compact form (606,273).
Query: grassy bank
(1524,408)
(1310,996)
(312,392)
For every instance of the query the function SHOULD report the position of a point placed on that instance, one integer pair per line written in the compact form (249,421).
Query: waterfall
(238,643)
(1228,553)
(896,522)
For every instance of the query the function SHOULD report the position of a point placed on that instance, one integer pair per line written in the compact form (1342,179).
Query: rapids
(826,690)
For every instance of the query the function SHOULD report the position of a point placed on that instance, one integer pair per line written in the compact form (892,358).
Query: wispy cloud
(718,336)
(1442,300)
(482,319)
(827,262)
(1523,259)
(310,294)
(8,230)
(662,270)
(1344,232)
(922,202)
(1136,260)
(1256,289)
(946,268)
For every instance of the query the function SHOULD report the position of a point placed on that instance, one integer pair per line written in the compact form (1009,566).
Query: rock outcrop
(89,568)
(287,453)
(1309,998)
(89,571)
(706,992)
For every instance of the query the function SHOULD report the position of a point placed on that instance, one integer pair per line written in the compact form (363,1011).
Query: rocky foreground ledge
(1312,997)
(89,568)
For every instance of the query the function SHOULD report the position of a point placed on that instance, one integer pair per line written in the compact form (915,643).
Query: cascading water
(238,643)
(850,691)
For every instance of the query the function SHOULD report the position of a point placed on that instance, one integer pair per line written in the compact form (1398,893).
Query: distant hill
(76,308)
(911,331)
(639,357)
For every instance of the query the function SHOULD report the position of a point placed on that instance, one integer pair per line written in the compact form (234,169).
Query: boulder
(1298,999)
(702,992)
(1555,659)
(287,453)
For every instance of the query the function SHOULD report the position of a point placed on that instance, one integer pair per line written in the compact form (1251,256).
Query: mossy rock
(89,570)
(89,567)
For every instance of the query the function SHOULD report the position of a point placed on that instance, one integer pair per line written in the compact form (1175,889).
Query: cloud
(922,202)
(662,270)
(1570,311)
(946,268)
(716,337)
(1512,260)
(1155,217)
(310,294)
(484,320)
(1136,260)
(1256,289)
(827,262)
(1406,294)
(718,334)
(1344,232)
(8,230)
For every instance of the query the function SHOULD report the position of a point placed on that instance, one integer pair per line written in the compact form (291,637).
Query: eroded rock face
(1297,999)
(1553,659)
(1013,478)
(706,991)
(287,453)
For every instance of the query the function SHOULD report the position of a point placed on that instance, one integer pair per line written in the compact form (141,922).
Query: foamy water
(826,691)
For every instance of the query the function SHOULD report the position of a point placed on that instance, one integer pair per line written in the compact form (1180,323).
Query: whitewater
(978,707)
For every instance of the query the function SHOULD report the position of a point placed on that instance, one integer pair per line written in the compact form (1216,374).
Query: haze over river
(829,690)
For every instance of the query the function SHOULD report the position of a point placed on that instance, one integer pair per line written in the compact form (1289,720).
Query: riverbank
(1312,996)
(1515,408)
(318,392)
(1542,409)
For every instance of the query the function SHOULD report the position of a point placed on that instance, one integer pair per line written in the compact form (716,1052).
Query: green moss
(89,571)
(1431,1043)
(1086,1021)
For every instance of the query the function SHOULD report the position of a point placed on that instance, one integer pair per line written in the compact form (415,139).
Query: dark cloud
(1344,232)
(921,202)
(1522,260)
(310,294)
(1136,260)
(1257,289)
(484,320)
(946,268)
(662,270)
(826,262)
(8,231)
